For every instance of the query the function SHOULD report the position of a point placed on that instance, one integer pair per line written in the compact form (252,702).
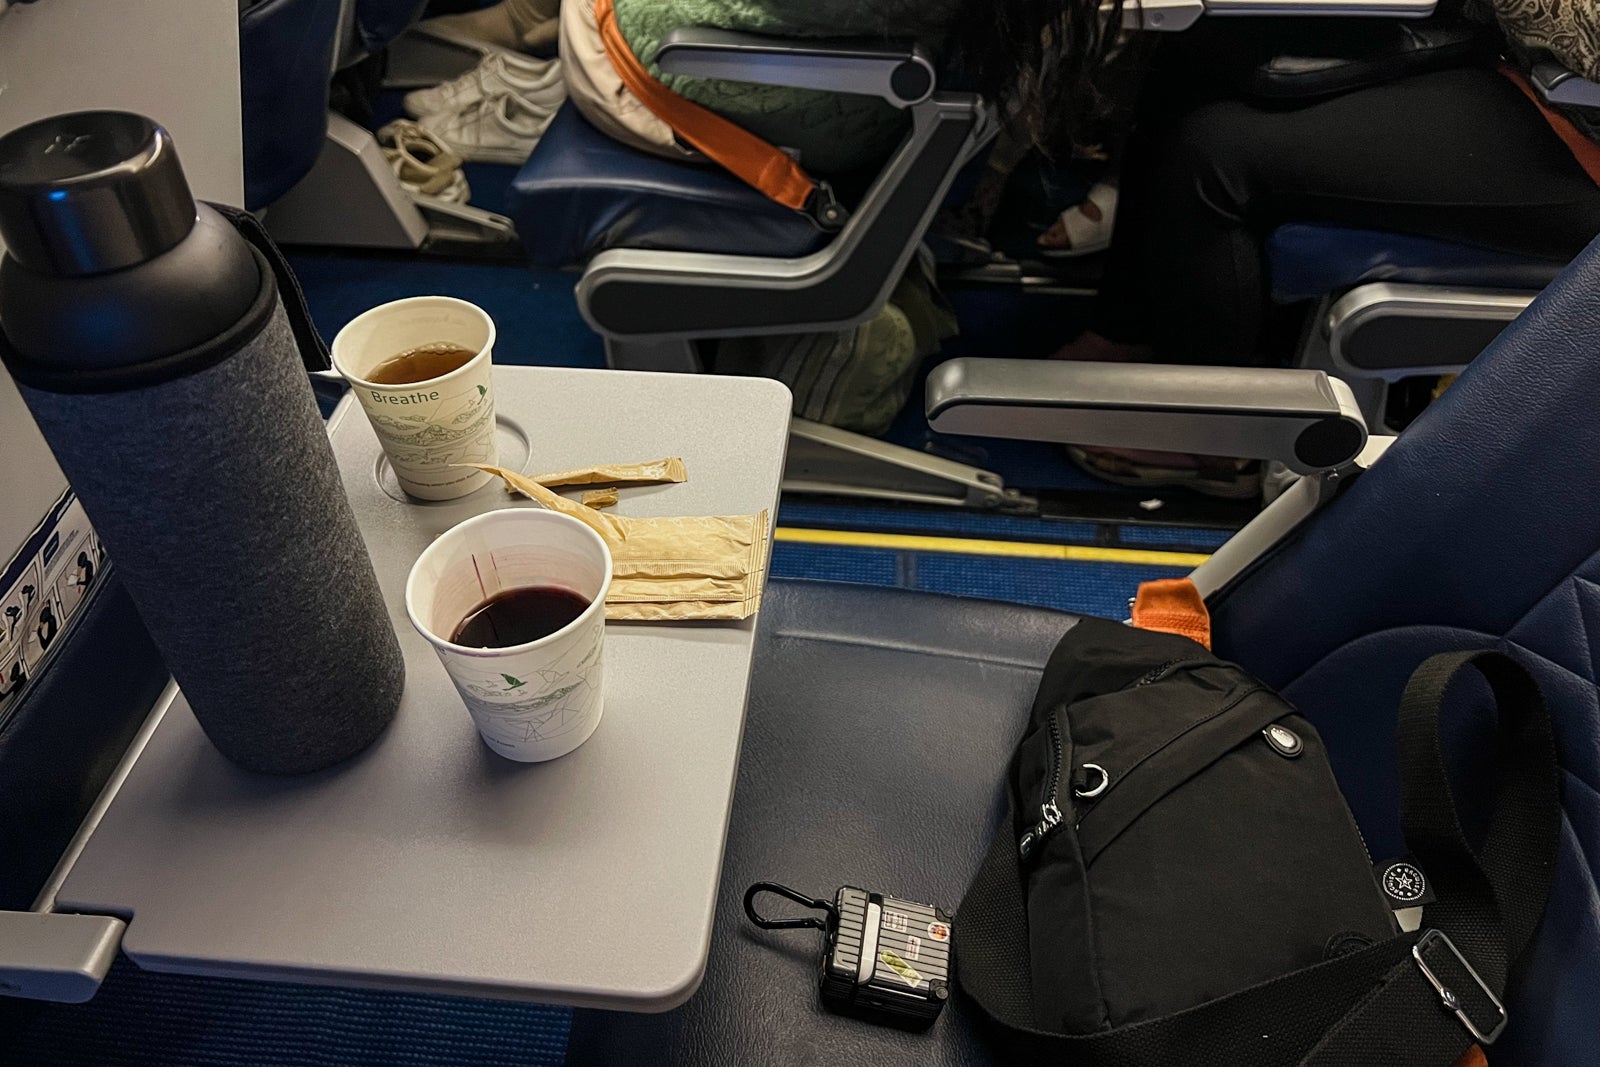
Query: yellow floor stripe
(978,547)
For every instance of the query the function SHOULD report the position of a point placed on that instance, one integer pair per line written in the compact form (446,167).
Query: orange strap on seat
(1173,606)
(1585,151)
(758,163)
(1473,1057)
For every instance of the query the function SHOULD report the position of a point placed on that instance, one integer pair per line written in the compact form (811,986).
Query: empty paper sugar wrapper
(681,567)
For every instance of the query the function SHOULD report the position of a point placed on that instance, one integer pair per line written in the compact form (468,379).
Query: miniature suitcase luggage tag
(884,960)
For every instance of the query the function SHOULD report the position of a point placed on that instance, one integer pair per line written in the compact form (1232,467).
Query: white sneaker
(500,129)
(534,80)
(423,164)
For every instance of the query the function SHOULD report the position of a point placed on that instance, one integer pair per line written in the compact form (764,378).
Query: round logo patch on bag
(1404,882)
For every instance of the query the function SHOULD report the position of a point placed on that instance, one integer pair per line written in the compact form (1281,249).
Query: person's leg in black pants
(1459,155)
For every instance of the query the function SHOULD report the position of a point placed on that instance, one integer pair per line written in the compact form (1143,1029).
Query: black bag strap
(1490,898)
(1382,1004)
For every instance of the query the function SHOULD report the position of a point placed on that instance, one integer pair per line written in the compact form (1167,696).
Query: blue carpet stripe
(951,522)
(1081,588)
(865,566)
(1066,585)
(1181,536)
(142,1019)
(934,521)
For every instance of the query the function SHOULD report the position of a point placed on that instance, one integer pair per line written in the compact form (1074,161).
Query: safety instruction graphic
(41,589)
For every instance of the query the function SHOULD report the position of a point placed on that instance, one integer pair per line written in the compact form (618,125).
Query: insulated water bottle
(149,341)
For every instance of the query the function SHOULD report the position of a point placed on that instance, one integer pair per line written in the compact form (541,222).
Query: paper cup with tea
(422,370)
(514,603)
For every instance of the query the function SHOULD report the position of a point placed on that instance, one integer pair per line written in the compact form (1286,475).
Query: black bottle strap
(313,349)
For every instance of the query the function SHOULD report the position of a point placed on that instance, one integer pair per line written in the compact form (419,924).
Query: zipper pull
(1051,813)
(1050,816)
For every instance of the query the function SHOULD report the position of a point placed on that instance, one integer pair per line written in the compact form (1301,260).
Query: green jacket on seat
(833,132)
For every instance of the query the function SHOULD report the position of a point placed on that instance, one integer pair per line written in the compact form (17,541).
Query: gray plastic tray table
(428,862)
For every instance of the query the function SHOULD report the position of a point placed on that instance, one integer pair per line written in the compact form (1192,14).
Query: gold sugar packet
(665,568)
(599,498)
(657,472)
(699,610)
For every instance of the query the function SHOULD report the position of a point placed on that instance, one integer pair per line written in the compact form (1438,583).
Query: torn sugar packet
(656,472)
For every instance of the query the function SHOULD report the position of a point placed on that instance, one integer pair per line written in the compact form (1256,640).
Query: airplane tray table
(428,862)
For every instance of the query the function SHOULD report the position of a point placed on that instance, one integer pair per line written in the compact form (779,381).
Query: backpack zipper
(1050,815)
(1049,811)
(1156,673)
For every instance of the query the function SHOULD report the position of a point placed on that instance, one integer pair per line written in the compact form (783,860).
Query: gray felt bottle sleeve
(217,497)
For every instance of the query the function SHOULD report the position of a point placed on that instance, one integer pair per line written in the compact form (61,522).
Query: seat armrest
(1173,16)
(900,73)
(1158,16)
(1558,84)
(1401,9)
(56,956)
(1303,418)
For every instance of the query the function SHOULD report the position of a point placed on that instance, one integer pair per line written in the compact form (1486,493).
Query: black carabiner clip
(807,923)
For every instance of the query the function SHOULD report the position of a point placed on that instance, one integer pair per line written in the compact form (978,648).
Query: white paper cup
(427,429)
(533,701)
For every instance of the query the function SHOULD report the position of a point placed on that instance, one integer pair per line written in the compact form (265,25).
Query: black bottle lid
(90,192)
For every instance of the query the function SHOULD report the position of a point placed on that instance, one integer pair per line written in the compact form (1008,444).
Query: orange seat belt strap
(1585,151)
(1173,606)
(759,164)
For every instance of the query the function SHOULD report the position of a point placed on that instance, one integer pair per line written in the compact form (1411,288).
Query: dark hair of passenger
(1037,60)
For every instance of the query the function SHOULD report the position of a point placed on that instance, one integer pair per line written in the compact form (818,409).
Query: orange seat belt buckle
(1173,606)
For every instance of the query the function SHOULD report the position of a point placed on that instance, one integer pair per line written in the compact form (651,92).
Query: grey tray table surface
(428,862)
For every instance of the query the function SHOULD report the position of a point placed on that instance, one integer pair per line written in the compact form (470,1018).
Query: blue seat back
(62,739)
(285,61)
(1480,528)
(1308,261)
(380,21)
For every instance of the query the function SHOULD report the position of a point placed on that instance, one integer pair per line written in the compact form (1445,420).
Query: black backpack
(1179,880)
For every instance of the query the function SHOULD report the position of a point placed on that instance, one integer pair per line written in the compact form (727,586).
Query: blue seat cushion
(581,193)
(1308,261)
